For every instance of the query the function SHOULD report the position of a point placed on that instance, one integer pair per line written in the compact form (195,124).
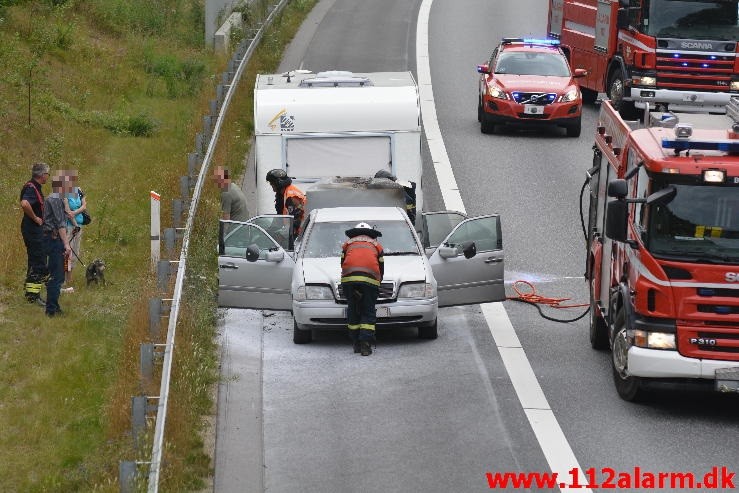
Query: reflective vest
(293,192)
(361,257)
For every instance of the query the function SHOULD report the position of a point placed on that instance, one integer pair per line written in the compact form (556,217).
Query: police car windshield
(532,63)
(701,224)
(325,238)
(717,20)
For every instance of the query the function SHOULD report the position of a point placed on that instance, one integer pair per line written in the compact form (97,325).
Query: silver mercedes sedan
(452,260)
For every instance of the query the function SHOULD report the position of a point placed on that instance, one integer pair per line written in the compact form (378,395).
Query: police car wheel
(301,336)
(429,331)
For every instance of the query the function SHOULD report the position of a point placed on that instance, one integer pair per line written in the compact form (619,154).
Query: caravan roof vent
(336,78)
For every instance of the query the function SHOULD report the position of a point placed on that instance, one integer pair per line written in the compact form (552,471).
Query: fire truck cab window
(700,223)
(711,20)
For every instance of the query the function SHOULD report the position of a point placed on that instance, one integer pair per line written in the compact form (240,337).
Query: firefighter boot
(354,336)
(365,347)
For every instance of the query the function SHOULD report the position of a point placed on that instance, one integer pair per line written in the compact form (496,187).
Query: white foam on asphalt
(549,434)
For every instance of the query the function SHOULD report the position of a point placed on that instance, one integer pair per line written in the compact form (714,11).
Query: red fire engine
(663,249)
(677,54)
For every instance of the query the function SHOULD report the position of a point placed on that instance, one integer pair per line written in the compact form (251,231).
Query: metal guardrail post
(127,476)
(177,210)
(138,419)
(193,163)
(185,187)
(155,317)
(163,273)
(147,361)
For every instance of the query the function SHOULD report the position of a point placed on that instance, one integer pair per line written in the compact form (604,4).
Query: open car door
(468,262)
(254,267)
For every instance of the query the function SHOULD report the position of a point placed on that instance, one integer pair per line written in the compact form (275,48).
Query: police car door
(468,262)
(254,266)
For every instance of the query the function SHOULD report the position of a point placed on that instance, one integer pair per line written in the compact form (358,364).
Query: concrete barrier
(222,37)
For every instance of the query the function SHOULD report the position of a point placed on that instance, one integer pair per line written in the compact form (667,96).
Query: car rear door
(263,282)
(478,279)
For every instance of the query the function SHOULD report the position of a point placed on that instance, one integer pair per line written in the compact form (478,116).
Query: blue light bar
(707,145)
(551,42)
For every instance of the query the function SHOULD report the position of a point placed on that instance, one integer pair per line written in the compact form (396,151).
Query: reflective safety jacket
(294,207)
(362,260)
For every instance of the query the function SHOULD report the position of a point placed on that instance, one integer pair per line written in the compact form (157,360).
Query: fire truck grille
(386,293)
(539,98)
(719,309)
(718,342)
(694,72)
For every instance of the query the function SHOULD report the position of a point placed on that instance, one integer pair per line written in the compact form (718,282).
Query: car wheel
(429,331)
(617,92)
(301,336)
(574,129)
(598,327)
(629,388)
(479,111)
(486,126)
(588,95)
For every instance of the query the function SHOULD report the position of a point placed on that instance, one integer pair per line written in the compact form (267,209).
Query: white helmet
(363,226)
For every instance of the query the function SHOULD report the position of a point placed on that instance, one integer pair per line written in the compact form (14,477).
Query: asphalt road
(437,415)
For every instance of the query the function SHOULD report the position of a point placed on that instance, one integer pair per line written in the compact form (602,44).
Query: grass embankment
(117,91)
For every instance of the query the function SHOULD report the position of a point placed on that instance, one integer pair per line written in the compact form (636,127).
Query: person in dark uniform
(289,199)
(410,193)
(32,203)
(362,269)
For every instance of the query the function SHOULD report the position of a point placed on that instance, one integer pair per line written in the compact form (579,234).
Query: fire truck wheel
(598,327)
(628,388)
(429,331)
(588,95)
(616,93)
(301,336)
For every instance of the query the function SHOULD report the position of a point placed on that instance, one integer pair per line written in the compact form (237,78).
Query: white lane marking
(552,440)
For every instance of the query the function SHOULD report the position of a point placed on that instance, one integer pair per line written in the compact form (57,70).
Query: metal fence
(258,15)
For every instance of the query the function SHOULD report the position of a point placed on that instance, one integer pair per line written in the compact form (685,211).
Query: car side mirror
(252,253)
(580,72)
(469,249)
(618,188)
(448,252)
(617,213)
(483,69)
(275,255)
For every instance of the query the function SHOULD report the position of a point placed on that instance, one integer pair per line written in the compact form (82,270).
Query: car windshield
(693,19)
(532,63)
(701,224)
(325,238)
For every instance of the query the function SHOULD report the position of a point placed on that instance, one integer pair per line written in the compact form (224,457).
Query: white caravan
(330,124)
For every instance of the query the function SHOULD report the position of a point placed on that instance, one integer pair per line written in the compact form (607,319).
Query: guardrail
(224,94)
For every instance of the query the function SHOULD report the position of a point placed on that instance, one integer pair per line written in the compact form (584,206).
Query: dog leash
(74,233)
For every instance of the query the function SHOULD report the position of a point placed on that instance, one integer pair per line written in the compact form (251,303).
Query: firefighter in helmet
(289,200)
(362,269)
(409,187)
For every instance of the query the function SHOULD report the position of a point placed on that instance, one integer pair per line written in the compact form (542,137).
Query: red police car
(528,81)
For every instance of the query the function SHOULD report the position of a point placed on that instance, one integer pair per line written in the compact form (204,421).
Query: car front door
(467,274)
(260,281)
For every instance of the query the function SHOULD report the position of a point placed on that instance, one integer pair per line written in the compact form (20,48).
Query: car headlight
(571,95)
(496,92)
(734,85)
(416,290)
(647,80)
(653,340)
(314,292)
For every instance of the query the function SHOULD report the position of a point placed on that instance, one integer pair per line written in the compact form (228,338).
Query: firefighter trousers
(361,298)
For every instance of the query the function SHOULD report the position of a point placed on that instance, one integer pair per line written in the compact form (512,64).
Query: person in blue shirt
(74,204)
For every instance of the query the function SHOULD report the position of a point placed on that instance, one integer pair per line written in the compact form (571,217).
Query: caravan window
(323,157)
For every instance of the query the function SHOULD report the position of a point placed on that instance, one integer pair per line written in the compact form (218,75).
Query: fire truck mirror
(623,18)
(617,213)
(663,196)
(618,188)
